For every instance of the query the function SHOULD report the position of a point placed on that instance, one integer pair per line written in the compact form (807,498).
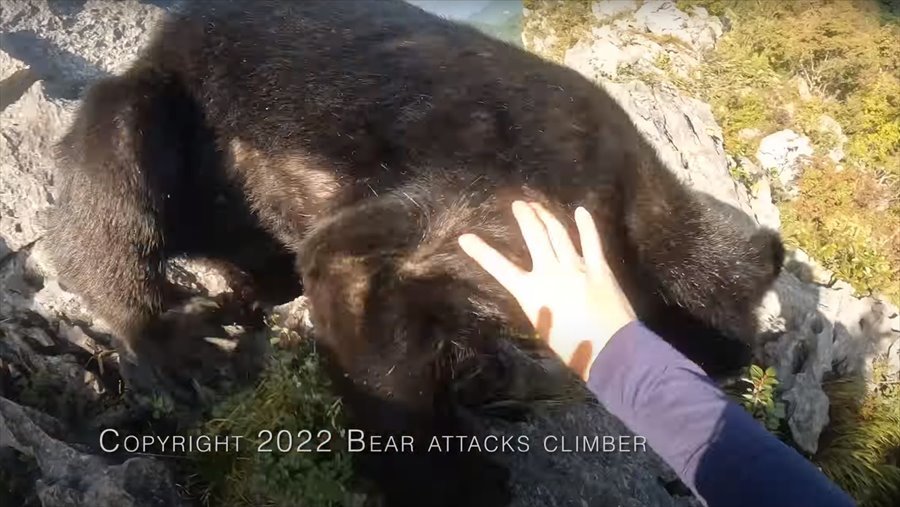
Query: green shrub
(831,221)
(846,54)
(872,120)
(294,395)
(847,218)
(860,448)
(759,398)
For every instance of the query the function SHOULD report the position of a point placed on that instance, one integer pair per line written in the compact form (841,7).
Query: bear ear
(770,247)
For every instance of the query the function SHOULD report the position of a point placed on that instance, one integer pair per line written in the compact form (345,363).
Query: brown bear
(361,139)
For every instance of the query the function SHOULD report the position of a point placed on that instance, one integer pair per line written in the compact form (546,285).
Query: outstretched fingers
(535,235)
(559,236)
(502,269)
(591,245)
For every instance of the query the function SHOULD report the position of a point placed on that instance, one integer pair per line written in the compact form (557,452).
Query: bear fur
(354,142)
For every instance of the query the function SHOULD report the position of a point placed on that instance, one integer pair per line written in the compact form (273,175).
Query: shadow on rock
(64,73)
(66,375)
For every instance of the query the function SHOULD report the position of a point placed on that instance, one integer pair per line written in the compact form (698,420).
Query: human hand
(574,303)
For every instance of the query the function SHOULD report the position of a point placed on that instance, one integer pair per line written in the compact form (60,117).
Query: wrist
(602,343)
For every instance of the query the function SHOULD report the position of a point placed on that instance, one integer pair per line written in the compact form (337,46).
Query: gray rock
(294,315)
(663,18)
(9,65)
(822,330)
(594,61)
(764,210)
(805,268)
(73,43)
(759,188)
(784,153)
(807,411)
(686,136)
(634,44)
(828,126)
(622,40)
(802,88)
(71,478)
(15,79)
(748,134)
(46,332)
(29,128)
(891,346)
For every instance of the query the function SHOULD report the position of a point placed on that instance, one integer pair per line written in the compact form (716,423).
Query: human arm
(716,448)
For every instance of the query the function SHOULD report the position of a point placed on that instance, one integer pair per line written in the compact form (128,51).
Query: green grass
(860,448)
(293,395)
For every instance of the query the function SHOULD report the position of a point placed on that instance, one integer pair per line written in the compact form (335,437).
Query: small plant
(740,174)
(860,448)
(759,398)
(293,407)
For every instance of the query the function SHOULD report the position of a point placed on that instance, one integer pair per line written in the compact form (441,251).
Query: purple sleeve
(718,450)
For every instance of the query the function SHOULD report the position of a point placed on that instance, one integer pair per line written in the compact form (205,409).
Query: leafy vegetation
(293,395)
(785,65)
(839,216)
(860,449)
(796,65)
(759,397)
